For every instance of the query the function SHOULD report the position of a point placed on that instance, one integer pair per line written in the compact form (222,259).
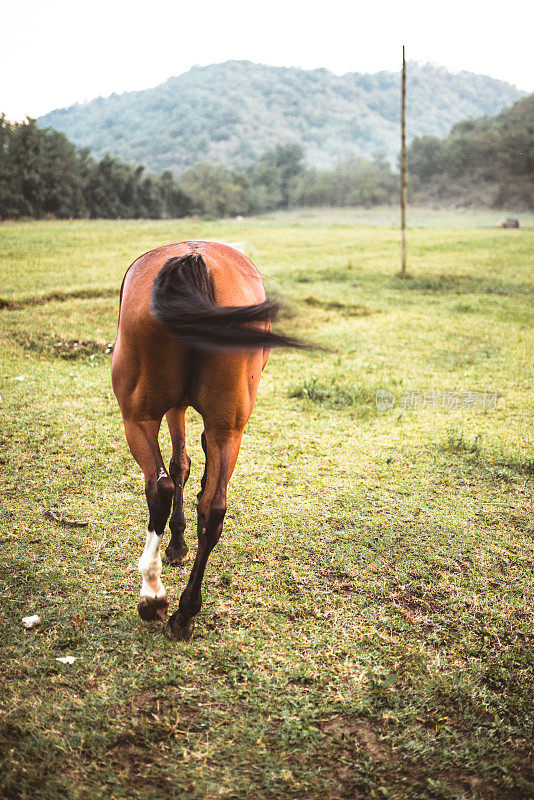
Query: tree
(6,194)
(215,191)
(354,181)
(289,160)
(425,157)
(26,169)
(62,177)
(177,203)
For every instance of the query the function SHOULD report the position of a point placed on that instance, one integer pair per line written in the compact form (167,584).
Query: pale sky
(54,53)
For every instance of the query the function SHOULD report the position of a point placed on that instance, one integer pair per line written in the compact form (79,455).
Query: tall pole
(403,168)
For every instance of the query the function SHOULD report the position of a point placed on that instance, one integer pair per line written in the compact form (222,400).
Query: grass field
(367,624)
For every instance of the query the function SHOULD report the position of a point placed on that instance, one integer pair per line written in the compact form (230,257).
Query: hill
(231,113)
(483,162)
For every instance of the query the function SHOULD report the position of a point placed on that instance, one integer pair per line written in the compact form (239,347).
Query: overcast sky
(56,53)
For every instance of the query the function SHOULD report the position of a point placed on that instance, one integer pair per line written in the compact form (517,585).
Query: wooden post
(403,168)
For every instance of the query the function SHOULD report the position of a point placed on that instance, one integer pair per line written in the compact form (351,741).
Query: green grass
(367,616)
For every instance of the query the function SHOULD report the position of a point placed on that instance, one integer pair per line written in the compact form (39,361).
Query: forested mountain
(231,113)
(483,162)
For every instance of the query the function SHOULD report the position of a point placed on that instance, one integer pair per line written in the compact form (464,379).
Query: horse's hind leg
(177,550)
(142,437)
(222,450)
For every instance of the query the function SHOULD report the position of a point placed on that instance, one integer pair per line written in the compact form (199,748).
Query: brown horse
(194,330)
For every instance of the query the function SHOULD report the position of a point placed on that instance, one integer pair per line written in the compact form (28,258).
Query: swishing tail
(183,300)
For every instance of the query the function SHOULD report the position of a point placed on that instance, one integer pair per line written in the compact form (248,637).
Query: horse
(194,330)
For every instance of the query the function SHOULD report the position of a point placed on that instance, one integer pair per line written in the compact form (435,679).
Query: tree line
(482,162)
(485,162)
(42,174)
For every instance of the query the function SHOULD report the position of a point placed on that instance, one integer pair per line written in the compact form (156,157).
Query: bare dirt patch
(57,346)
(395,768)
(347,728)
(348,309)
(12,303)
(340,582)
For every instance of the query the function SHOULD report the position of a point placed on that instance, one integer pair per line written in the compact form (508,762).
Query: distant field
(367,624)
(417,217)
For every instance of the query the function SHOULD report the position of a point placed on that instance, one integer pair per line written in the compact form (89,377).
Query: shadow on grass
(336,395)
(501,466)
(425,284)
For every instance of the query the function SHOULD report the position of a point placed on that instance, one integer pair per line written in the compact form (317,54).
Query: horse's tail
(183,300)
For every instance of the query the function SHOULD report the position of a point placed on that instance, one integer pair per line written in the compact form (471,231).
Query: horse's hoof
(176,556)
(150,608)
(179,630)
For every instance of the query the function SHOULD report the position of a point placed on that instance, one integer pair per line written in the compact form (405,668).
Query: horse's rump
(183,299)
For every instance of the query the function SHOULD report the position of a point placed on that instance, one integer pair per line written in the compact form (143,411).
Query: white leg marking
(150,568)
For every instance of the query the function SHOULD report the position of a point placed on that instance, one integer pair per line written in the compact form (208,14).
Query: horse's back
(236,281)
